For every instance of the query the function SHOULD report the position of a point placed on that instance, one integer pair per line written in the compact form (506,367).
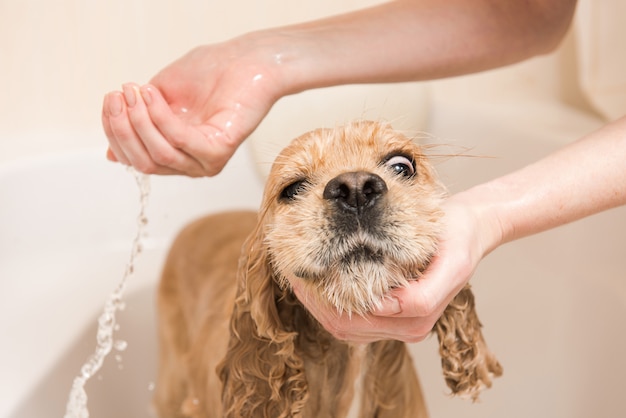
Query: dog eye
(290,192)
(401,165)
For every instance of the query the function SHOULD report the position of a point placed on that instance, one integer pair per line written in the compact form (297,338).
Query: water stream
(107,325)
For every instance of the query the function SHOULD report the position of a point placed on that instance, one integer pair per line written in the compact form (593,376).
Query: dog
(352,213)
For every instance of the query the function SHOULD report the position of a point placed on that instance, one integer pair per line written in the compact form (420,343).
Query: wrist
(293,58)
(486,216)
(268,57)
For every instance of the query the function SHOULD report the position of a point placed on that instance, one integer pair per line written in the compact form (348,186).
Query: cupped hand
(409,314)
(195,113)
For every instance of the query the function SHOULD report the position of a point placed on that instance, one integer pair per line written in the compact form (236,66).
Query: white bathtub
(67,223)
(553,305)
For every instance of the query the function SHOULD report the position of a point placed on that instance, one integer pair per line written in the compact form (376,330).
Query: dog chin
(357,286)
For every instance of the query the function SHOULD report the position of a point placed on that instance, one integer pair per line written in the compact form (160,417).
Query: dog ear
(468,365)
(262,374)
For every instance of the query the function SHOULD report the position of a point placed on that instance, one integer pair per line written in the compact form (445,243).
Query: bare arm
(581,179)
(226,89)
(408,40)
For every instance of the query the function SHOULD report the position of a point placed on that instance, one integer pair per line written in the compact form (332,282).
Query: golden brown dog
(352,212)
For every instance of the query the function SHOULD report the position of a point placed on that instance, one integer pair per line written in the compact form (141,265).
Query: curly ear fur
(262,374)
(468,365)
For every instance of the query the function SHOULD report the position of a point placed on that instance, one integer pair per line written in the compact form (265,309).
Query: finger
(206,141)
(112,107)
(162,154)
(414,300)
(417,299)
(111,156)
(371,328)
(130,144)
(428,296)
(361,329)
(126,142)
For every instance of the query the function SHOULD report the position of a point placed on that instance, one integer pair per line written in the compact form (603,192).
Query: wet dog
(351,212)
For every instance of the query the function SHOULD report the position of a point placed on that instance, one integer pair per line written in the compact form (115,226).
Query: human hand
(195,113)
(409,314)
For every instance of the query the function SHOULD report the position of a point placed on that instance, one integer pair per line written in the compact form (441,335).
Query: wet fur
(234,340)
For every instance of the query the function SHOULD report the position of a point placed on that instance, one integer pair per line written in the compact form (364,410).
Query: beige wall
(58,58)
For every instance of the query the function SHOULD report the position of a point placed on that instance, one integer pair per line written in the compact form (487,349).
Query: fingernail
(129,94)
(111,156)
(391,306)
(146,93)
(115,104)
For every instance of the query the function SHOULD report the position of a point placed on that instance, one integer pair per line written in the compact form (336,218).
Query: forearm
(586,177)
(409,40)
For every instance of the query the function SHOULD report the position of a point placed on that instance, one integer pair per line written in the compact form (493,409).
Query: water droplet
(120,345)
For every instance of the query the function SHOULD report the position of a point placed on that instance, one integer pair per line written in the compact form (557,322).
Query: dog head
(352,212)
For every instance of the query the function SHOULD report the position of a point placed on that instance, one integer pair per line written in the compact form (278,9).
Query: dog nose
(355,191)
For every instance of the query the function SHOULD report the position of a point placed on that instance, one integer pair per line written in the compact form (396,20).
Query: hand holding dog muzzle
(409,314)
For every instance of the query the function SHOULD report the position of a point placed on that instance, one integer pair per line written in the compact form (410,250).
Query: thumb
(426,296)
